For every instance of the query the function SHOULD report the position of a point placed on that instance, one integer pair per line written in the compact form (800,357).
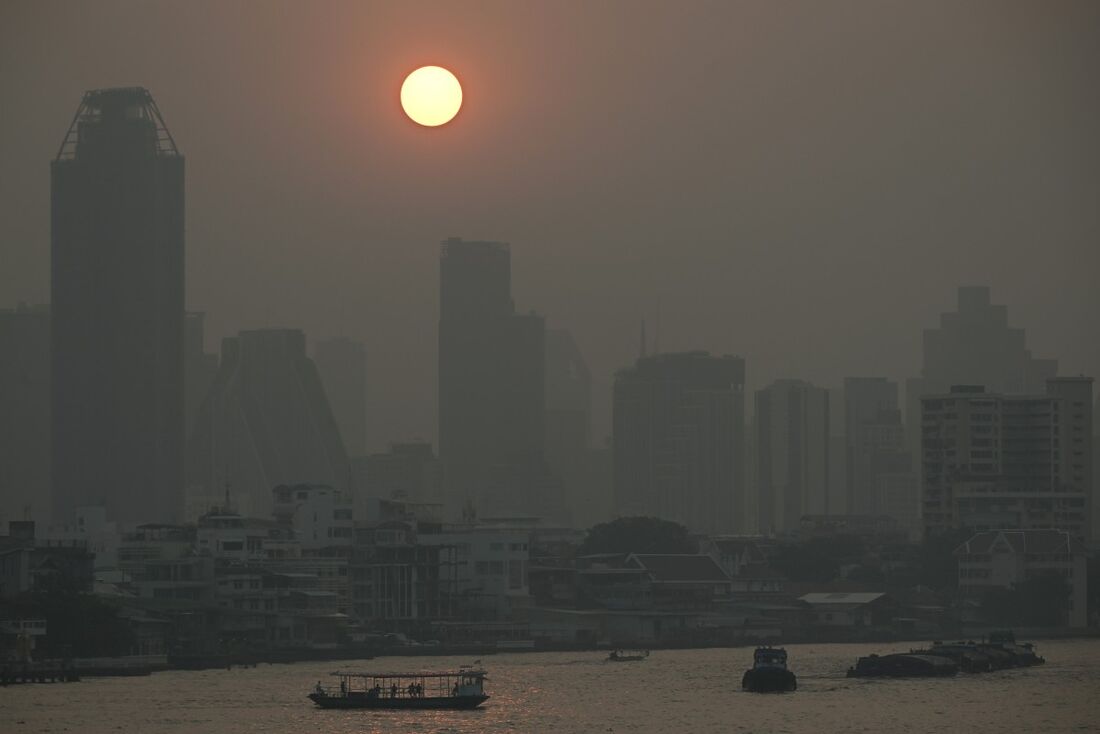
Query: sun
(431,96)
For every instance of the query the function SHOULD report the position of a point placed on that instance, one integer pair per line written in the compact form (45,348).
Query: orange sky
(801,183)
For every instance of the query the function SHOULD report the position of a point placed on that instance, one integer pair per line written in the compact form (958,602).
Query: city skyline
(315,215)
(528,339)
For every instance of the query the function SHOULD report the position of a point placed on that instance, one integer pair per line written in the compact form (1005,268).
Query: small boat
(460,689)
(1023,654)
(627,656)
(903,665)
(769,673)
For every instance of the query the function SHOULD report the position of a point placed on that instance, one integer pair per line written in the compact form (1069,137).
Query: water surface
(683,691)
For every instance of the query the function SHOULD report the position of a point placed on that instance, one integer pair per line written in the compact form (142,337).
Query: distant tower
(342,363)
(678,426)
(491,371)
(117,302)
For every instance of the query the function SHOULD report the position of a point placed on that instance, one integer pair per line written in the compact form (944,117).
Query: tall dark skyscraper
(118,314)
(491,370)
(679,440)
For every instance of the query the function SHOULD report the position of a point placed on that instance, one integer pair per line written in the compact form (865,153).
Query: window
(496,546)
(482,568)
(496,568)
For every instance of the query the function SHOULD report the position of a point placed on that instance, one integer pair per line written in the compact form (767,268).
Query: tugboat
(461,689)
(769,673)
(627,656)
(1023,654)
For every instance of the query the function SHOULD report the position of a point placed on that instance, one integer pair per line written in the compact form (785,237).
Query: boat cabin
(462,683)
(770,657)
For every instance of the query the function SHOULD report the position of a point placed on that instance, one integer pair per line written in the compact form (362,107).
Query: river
(682,691)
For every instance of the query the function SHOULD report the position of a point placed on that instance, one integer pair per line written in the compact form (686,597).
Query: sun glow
(431,96)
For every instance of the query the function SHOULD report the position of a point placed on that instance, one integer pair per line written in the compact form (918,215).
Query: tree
(637,535)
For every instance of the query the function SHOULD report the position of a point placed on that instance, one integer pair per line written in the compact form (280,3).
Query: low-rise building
(851,610)
(1003,559)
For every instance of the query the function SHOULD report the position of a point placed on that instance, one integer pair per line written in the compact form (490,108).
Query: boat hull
(382,702)
(765,680)
(903,666)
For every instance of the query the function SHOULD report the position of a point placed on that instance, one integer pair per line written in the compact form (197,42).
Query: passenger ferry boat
(769,673)
(460,689)
(627,656)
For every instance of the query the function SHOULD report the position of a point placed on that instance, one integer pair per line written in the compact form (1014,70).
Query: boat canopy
(461,673)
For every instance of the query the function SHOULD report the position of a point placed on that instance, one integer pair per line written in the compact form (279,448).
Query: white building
(994,461)
(1003,558)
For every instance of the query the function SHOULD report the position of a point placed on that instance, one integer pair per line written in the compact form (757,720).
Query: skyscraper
(342,363)
(117,243)
(199,368)
(568,427)
(265,422)
(792,445)
(491,370)
(678,440)
(974,345)
(872,426)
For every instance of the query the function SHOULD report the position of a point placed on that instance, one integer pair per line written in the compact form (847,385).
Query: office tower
(872,426)
(568,430)
(342,363)
(678,440)
(792,444)
(974,345)
(199,368)
(117,282)
(25,415)
(491,371)
(994,461)
(266,421)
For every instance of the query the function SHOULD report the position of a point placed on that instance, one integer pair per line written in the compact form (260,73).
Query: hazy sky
(800,183)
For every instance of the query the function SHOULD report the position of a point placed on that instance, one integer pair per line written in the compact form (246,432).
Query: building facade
(491,372)
(994,461)
(266,421)
(342,364)
(792,447)
(1003,559)
(117,272)
(678,428)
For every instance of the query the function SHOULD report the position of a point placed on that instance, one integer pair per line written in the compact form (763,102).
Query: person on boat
(393,690)
(454,691)
(343,688)
(419,690)
(319,689)
(374,692)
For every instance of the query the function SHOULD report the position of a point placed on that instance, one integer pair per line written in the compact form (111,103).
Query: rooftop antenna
(657,330)
(227,488)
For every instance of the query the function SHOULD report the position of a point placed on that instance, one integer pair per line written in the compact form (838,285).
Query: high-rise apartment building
(974,345)
(679,440)
(117,272)
(996,462)
(342,363)
(792,449)
(265,422)
(491,371)
(872,424)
